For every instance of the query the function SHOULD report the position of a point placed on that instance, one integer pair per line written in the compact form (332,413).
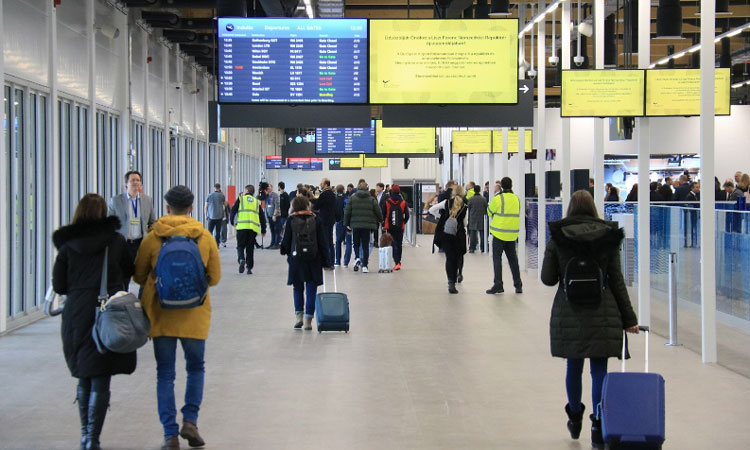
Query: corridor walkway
(421,369)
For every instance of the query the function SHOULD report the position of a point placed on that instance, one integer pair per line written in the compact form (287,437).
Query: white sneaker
(364,269)
(356,265)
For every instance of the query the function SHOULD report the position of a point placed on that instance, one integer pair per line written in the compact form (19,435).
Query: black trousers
(246,247)
(509,247)
(398,238)
(95,384)
(133,247)
(454,261)
(361,237)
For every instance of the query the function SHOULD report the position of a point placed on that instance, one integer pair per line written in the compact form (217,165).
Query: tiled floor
(421,369)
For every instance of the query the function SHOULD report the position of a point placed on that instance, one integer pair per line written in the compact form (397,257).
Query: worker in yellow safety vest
(470,190)
(249,221)
(505,219)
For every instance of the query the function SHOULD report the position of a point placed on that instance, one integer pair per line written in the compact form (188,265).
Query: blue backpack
(180,275)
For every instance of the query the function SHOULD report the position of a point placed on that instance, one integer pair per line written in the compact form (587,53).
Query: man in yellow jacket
(189,326)
(505,217)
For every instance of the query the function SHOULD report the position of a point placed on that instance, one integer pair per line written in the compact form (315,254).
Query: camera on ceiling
(532,74)
(553,60)
(579,60)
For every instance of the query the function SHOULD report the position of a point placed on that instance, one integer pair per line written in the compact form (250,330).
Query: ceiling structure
(190,23)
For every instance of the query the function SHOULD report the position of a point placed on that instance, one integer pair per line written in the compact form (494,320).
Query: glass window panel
(6,111)
(17,209)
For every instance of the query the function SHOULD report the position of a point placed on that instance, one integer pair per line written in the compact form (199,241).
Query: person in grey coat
(579,331)
(135,211)
(477,211)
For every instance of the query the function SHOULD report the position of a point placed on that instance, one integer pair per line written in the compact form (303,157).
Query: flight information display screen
(265,60)
(274,162)
(345,140)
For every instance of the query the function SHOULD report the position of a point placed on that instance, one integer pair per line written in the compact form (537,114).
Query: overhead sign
(471,141)
(497,141)
(677,92)
(519,115)
(603,93)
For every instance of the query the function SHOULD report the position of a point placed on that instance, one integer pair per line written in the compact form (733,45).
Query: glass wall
(30,249)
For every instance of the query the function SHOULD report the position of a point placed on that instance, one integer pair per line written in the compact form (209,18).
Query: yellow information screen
(376,162)
(444,61)
(602,93)
(497,141)
(471,141)
(404,141)
(677,92)
(352,163)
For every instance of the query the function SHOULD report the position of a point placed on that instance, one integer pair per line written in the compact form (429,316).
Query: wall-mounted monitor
(471,141)
(444,61)
(497,141)
(339,141)
(274,162)
(268,60)
(316,164)
(376,162)
(404,142)
(335,164)
(298,163)
(677,92)
(603,93)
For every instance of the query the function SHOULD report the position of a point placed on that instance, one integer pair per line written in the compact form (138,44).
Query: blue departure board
(345,140)
(316,163)
(292,60)
(274,162)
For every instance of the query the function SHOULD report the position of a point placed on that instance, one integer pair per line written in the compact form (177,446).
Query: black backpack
(395,215)
(304,237)
(583,280)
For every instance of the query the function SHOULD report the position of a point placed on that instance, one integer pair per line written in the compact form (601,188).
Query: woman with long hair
(77,273)
(590,325)
(452,211)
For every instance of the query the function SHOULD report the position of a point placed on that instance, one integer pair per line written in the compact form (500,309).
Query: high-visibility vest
(247,216)
(504,212)
(469,194)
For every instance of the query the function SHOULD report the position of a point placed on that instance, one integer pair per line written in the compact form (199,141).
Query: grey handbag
(121,325)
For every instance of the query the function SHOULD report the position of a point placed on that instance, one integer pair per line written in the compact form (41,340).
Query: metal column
(565,150)
(599,123)
(644,158)
(541,135)
(708,208)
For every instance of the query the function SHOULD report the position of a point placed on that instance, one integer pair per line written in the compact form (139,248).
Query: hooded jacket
(363,211)
(389,203)
(185,323)
(578,331)
(77,273)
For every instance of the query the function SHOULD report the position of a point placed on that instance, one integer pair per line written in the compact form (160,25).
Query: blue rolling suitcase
(332,309)
(633,408)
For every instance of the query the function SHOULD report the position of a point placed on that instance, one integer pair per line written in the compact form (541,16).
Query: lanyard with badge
(135,220)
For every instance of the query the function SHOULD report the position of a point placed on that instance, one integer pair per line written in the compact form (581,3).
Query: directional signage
(518,115)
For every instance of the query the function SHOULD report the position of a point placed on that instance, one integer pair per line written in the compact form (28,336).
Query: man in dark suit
(665,190)
(135,211)
(682,191)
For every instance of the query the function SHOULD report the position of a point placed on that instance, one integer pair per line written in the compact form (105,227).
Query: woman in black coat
(77,274)
(305,275)
(453,245)
(594,329)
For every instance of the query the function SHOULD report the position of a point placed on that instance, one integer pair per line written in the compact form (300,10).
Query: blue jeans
(299,291)
(165,351)
(346,238)
(214,227)
(573,384)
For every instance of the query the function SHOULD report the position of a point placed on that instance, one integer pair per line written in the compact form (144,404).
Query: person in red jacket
(396,214)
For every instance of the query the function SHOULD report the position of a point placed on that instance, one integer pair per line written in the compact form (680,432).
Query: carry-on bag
(120,324)
(385,259)
(633,407)
(332,309)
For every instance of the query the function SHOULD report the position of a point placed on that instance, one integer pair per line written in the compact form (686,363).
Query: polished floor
(421,369)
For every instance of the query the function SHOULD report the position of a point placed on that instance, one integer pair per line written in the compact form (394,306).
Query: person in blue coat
(305,274)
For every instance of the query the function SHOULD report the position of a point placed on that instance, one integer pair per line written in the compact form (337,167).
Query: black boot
(452,287)
(83,410)
(98,403)
(575,421)
(597,440)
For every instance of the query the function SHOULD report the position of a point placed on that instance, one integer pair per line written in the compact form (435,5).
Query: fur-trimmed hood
(89,236)
(594,234)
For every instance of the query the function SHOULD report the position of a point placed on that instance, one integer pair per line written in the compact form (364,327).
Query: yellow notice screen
(497,141)
(677,92)
(444,61)
(395,141)
(471,141)
(602,93)
(352,163)
(376,162)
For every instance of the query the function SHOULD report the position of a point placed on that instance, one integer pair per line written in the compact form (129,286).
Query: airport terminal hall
(375,225)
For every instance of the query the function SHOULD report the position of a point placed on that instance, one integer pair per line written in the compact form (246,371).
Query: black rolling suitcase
(332,309)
